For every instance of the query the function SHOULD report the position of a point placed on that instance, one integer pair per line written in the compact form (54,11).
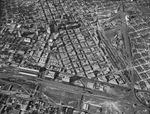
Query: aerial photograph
(74,56)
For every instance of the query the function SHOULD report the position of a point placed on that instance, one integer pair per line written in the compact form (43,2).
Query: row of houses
(28,72)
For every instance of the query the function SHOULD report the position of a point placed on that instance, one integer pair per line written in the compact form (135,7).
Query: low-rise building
(50,74)
(113,81)
(42,61)
(90,85)
(78,83)
(120,81)
(65,77)
(86,106)
(76,112)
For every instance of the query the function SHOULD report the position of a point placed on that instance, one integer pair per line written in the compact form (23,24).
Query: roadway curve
(124,30)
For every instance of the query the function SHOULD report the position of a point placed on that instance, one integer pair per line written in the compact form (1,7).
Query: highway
(127,100)
(128,54)
(65,87)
